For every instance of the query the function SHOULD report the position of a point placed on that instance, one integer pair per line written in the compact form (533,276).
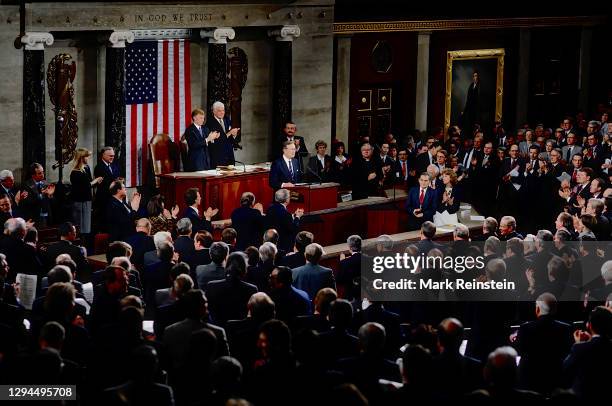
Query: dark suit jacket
(279,173)
(292,260)
(323,171)
(197,223)
(349,276)
(66,247)
(248,223)
(109,175)
(312,278)
(36,202)
(135,394)
(120,220)
(429,205)
(228,298)
(21,258)
(303,151)
(185,247)
(140,243)
(456,194)
(222,150)
(279,218)
(198,158)
(422,162)
(543,345)
(587,367)
(154,277)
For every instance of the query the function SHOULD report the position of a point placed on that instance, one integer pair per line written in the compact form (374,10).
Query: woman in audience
(82,182)
(449,198)
(161,218)
(340,164)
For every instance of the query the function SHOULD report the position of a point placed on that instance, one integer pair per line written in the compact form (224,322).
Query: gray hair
(511,221)
(161,237)
(267,251)
(183,226)
(123,262)
(16,227)
(281,195)
(6,174)
(606,271)
(385,241)
(496,269)
(182,284)
(490,224)
(354,243)
(217,105)
(544,235)
(462,231)
(597,205)
(547,303)
(314,252)
(372,337)
(492,244)
(107,148)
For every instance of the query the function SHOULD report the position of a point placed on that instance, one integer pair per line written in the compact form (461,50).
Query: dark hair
(341,313)
(110,274)
(204,238)
(271,235)
(66,228)
(429,229)
(182,268)
(417,363)
(279,338)
(191,196)
(34,166)
(587,171)
(228,235)
(193,301)
(155,207)
(253,254)
(218,252)
(303,239)
(117,249)
(115,187)
(53,333)
(236,265)
(59,273)
(247,199)
(600,320)
(566,220)
(284,275)
(165,251)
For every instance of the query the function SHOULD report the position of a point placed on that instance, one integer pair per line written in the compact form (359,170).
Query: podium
(314,196)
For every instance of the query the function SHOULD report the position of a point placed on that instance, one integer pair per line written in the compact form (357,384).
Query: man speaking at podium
(285,171)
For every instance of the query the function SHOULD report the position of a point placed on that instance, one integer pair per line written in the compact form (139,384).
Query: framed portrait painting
(474,88)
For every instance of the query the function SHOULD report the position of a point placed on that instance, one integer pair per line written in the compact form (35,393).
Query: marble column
(343,88)
(34,96)
(422,81)
(282,66)
(217,81)
(114,93)
(584,72)
(522,89)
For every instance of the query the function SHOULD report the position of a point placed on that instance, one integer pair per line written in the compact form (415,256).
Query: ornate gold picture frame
(456,59)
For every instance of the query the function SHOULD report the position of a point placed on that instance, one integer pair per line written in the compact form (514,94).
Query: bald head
(450,334)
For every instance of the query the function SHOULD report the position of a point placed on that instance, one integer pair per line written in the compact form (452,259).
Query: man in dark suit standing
(349,270)
(68,235)
(286,224)
(319,165)
(512,177)
(108,171)
(222,150)
(248,221)
(285,171)
(120,216)
(472,111)
(288,134)
(421,203)
(193,199)
(366,174)
(37,204)
(484,174)
(200,140)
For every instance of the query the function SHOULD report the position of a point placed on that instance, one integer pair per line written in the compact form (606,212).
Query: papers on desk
(445,219)
(564,176)
(27,289)
(514,172)
(477,218)
(88,292)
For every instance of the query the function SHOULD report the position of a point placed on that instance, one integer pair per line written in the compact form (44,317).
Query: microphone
(315,174)
(243,165)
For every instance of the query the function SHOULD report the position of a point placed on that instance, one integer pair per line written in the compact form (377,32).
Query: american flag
(157,99)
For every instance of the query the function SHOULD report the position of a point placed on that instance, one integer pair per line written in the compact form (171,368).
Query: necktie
(422,197)
(468,159)
(485,160)
(403,170)
(291,170)
(569,154)
(574,175)
(200,131)
(222,124)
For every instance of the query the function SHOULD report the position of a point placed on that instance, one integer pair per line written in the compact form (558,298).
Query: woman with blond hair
(82,182)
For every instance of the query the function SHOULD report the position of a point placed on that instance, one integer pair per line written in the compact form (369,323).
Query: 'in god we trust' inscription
(178,18)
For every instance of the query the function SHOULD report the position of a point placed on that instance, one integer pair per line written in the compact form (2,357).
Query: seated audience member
(173,311)
(228,236)
(215,270)
(318,320)
(161,219)
(489,229)
(8,188)
(275,364)
(141,389)
(590,356)
(242,334)
(193,200)
(377,313)
(8,209)
(107,299)
(507,229)
(500,375)
(157,276)
(183,244)
(427,234)
(297,258)
(319,168)
(543,344)
(176,336)
(365,369)
(449,197)
(458,374)
(421,203)
(271,235)
(141,242)
(228,297)
(202,241)
(286,224)
(120,217)
(170,295)
(338,342)
(349,270)
(248,221)
(313,277)
(290,301)
(159,238)
(20,256)
(263,263)
(68,235)
(134,282)
(601,228)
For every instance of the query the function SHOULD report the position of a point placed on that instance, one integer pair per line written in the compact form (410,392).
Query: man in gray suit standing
(313,277)
(216,269)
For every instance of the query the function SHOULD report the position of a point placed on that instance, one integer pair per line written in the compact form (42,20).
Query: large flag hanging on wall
(157,98)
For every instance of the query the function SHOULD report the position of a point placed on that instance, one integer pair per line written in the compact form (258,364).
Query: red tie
(574,175)
(404,170)
(422,197)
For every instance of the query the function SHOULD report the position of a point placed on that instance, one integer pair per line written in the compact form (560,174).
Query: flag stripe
(165,100)
(181,91)
(177,85)
(170,90)
(134,160)
(143,141)
(128,144)
(187,69)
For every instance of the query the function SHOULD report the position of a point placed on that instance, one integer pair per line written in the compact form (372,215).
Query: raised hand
(210,213)
(258,206)
(175,211)
(167,214)
(135,202)
(299,212)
